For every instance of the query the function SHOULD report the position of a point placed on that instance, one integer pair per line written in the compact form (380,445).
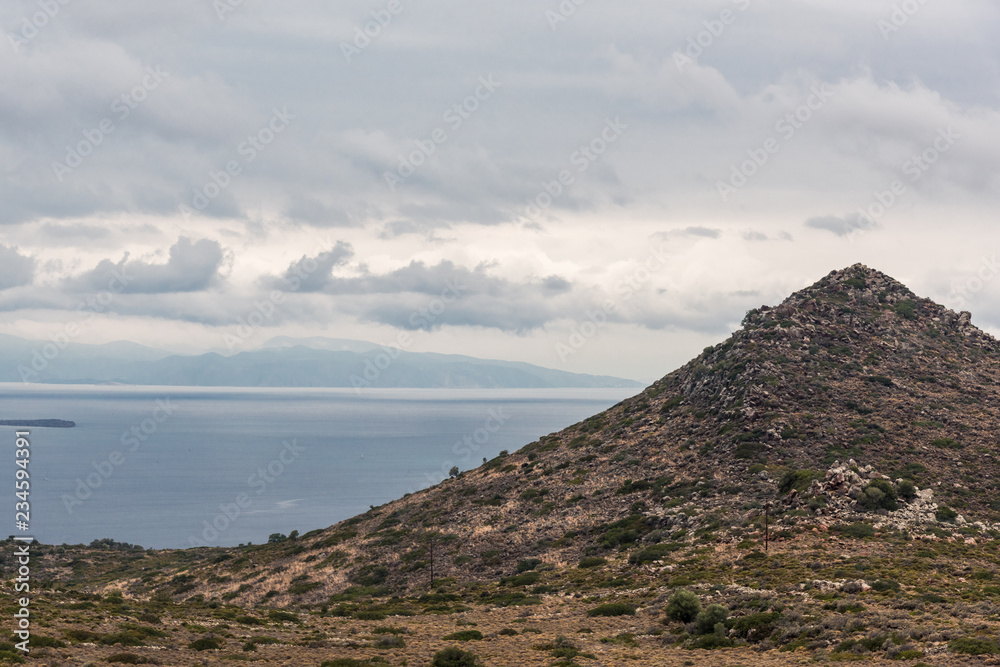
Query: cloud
(192,266)
(312,274)
(15,269)
(843,225)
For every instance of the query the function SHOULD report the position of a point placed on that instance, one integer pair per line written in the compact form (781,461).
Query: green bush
(279,616)
(371,575)
(454,657)
(529,564)
(51,642)
(907,490)
(464,636)
(974,646)
(945,513)
(683,606)
(710,641)
(523,579)
(879,494)
(652,554)
(798,480)
(857,530)
(756,627)
(205,644)
(906,309)
(612,609)
(591,561)
(711,616)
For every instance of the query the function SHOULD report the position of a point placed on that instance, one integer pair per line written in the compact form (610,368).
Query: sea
(176,467)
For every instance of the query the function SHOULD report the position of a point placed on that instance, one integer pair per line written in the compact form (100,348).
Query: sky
(590,186)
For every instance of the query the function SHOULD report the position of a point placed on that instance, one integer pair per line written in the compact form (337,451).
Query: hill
(281,362)
(826,478)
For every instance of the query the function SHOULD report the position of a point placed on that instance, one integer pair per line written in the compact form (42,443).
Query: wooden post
(431,544)
(767,506)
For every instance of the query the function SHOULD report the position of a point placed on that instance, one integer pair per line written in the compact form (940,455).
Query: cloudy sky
(592,186)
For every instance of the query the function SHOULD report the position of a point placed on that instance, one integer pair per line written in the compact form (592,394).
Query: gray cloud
(15,269)
(312,274)
(191,267)
(842,225)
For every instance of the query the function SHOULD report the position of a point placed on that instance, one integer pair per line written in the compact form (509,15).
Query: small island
(38,423)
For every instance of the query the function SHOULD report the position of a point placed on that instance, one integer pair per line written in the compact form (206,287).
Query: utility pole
(767,506)
(431,546)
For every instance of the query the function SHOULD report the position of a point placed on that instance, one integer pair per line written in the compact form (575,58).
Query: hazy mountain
(281,362)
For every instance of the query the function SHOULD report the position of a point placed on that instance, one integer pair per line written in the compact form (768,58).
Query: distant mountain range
(280,362)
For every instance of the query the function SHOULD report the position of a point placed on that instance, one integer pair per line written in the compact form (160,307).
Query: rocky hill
(839,445)
(809,405)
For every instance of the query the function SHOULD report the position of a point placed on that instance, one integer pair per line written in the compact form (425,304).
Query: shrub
(945,513)
(529,564)
(612,609)
(371,575)
(879,494)
(683,606)
(390,641)
(712,615)
(279,616)
(205,644)
(651,554)
(523,579)
(885,585)
(454,657)
(508,632)
(856,530)
(907,490)
(464,636)
(755,627)
(591,561)
(711,641)
(906,309)
(51,642)
(798,480)
(974,646)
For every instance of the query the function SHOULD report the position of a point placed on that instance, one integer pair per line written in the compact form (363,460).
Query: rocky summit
(821,485)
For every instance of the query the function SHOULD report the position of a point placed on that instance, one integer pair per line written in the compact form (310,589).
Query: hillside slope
(854,370)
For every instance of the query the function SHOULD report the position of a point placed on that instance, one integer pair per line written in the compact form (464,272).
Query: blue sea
(170,467)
